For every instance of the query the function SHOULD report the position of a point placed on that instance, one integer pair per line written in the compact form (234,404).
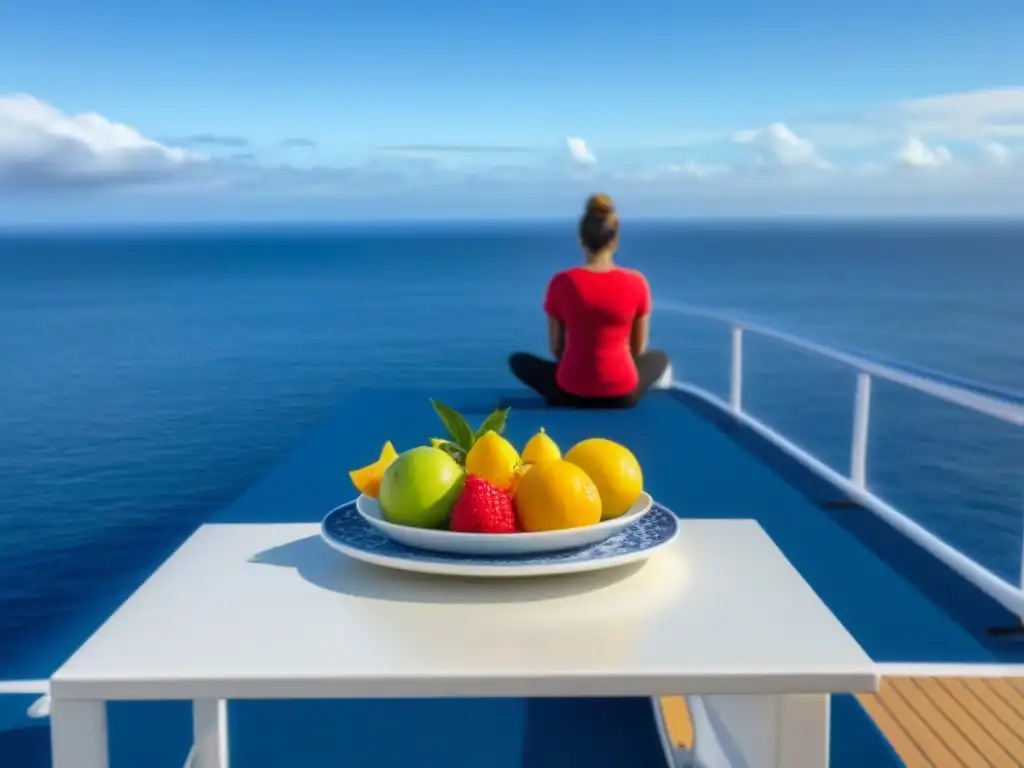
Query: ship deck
(902,606)
(930,722)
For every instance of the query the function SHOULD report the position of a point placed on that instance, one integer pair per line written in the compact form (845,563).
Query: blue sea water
(149,376)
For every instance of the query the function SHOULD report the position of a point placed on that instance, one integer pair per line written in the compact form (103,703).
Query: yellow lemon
(494,459)
(555,495)
(614,470)
(367,479)
(540,448)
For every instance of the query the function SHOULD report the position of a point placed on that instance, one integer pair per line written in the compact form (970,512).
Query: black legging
(539,375)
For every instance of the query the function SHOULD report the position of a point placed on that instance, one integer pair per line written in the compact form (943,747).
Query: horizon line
(506,220)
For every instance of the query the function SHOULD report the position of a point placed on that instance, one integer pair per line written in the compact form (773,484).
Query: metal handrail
(981,400)
(40,708)
(25,687)
(1001,408)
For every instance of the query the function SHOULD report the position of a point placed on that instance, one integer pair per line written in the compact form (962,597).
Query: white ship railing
(40,708)
(855,485)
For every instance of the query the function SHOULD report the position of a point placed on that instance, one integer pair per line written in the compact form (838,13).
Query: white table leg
(78,734)
(209,733)
(761,731)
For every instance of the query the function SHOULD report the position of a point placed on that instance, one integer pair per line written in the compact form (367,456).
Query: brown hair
(599,225)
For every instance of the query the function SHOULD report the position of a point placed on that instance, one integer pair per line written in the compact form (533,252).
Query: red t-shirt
(597,310)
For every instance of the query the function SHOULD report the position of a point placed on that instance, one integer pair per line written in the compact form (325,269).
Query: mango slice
(367,479)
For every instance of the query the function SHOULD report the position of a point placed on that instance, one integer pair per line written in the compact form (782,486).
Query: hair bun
(600,205)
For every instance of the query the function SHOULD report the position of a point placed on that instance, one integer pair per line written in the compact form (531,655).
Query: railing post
(736,379)
(861,419)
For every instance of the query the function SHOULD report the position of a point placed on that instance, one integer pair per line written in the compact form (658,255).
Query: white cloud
(996,153)
(580,152)
(692,169)
(914,153)
(40,145)
(44,147)
(995,114)
(778,145)
(992,114)
(969,106)
(679,171)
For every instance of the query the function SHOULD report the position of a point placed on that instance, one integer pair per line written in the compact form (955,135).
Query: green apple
(420,487)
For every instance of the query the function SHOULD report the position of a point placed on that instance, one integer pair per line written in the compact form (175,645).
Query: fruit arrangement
(475,481)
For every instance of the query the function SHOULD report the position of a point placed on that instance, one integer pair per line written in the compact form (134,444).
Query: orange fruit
(367,479)
(614,470)
(555,495)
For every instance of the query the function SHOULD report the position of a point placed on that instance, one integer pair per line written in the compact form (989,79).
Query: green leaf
(453,450)
(456,425)
(495,421)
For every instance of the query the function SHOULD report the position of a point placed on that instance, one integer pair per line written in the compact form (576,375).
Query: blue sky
(230,109)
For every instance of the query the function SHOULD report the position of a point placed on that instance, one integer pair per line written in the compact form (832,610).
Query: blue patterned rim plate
(345,530)
(488,545)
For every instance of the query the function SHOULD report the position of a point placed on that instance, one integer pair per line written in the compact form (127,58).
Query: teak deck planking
(931,722)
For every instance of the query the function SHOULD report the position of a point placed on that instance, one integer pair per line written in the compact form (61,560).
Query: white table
(268,611)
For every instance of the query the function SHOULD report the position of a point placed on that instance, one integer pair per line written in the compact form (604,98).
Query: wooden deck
(931,722)
(947,721)
(677,721)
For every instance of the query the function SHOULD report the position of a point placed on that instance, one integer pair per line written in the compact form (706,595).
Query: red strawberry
(482,508)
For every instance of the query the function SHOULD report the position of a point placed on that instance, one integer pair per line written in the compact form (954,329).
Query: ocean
(149,376)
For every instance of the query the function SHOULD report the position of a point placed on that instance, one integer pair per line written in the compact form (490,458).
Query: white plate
(499,543)
(347,531)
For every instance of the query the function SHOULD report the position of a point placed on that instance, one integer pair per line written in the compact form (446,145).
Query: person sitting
(598,326)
